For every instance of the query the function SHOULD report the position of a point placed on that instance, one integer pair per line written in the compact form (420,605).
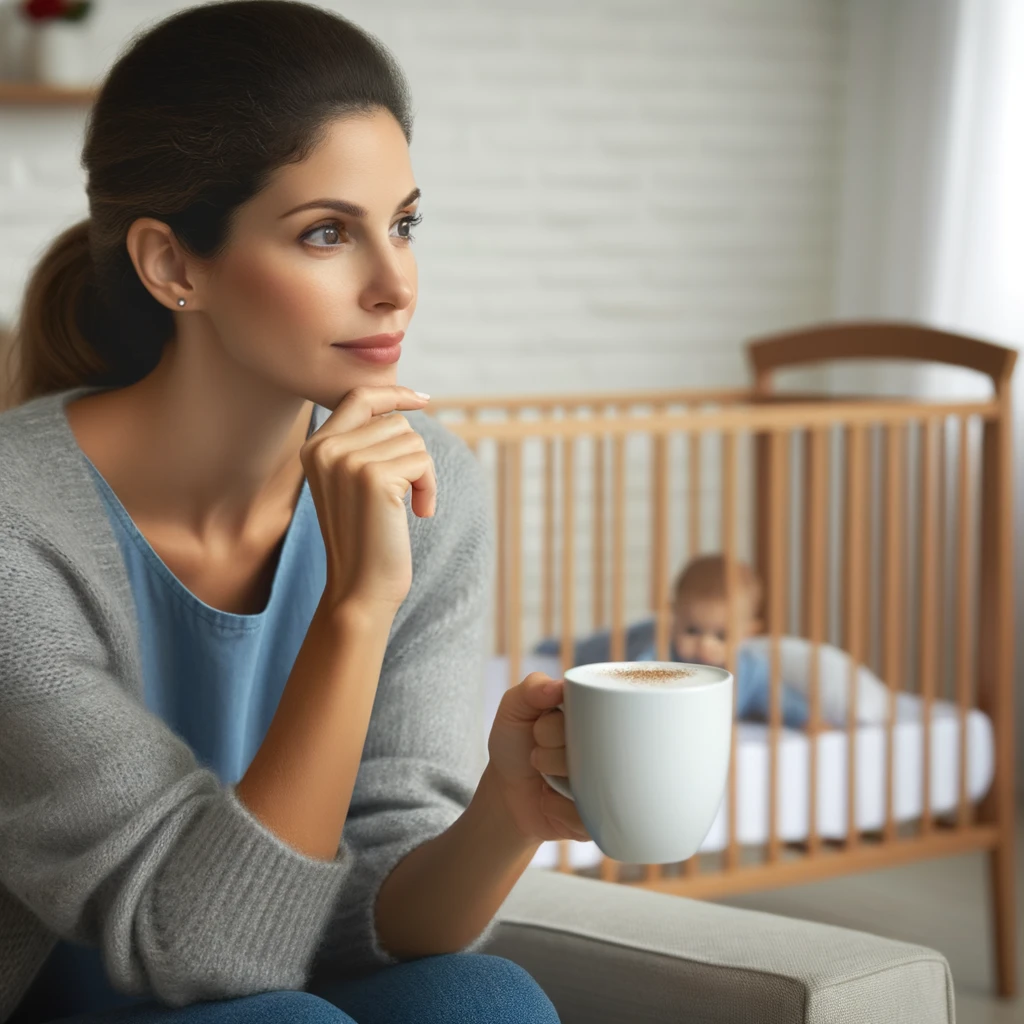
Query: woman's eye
(329,235)
(692,631)
(410,222)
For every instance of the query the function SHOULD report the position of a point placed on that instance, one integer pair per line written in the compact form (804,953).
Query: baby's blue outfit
(753,688)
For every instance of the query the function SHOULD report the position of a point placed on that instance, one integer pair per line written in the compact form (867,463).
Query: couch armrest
(607,953)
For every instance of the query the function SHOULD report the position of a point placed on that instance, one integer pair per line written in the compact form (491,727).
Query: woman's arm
(111,833)
(415,797)
(299,784)
(443,895)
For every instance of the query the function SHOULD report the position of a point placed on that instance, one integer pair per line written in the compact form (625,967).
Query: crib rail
(880,527)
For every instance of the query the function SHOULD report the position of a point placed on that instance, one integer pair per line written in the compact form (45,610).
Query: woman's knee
(454,988)
(297,1007)
(265,1008)
(478,986)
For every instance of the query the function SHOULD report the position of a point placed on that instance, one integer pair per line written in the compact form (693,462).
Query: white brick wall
(616,192)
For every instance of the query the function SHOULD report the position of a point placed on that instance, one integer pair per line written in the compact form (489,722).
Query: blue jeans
(457,988)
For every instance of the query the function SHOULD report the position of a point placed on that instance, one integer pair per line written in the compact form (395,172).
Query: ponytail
(51,350)
(68,335)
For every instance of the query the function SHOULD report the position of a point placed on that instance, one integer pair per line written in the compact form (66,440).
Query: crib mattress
(793,803)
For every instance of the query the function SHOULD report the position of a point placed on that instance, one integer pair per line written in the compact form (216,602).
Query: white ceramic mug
(647,764)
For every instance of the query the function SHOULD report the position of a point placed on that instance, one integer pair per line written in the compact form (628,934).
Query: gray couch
(611,954)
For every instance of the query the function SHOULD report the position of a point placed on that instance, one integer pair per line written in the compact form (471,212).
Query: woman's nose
(388,283)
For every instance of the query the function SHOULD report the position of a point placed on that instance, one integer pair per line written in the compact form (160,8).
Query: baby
(699,635)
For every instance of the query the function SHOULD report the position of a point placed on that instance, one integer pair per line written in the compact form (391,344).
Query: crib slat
(568,586)
(659,542)
(547,567)
(815,604)
(874,572)
(893,602)
(659,564)
(732,851)
(609,869)
(942,535)
(805,560)
(777,578)
(928,597)
(515,556)
(695,472)
(501,540)
(598,587)
(964,591)
(856,557)
(471,416)
(618,639)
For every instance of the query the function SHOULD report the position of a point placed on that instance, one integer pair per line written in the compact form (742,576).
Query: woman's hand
(360,464)
(527,738)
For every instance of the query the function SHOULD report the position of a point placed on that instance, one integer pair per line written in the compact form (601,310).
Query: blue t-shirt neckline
(225,620)
(232,621)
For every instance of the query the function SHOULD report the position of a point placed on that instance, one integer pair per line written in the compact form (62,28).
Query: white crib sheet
(794,767)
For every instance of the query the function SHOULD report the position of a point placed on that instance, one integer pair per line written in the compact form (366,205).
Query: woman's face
(299,275)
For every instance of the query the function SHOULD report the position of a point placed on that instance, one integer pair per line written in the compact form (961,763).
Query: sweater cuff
(239,895)
(352,945)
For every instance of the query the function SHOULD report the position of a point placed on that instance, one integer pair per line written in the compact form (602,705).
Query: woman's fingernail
(422,394)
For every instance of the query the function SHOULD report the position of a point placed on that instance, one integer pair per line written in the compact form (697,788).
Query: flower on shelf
(47,10)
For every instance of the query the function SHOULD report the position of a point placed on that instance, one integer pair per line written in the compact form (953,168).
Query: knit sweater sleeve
(425,747)
(113,835)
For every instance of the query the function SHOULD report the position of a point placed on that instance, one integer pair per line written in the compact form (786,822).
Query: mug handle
(559,783)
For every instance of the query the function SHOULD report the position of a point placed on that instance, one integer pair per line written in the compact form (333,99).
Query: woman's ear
(160,263)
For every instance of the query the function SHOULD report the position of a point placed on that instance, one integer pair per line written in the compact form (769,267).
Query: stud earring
(181,302)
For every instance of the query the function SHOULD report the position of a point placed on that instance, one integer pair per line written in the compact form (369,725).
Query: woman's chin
(333,398)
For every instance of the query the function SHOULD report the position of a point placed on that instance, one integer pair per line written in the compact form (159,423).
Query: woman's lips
(376,354)
(379,348)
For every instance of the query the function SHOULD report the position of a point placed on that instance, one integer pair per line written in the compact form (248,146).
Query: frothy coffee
(635,676)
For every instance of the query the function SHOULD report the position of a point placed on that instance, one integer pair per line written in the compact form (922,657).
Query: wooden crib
(883,526)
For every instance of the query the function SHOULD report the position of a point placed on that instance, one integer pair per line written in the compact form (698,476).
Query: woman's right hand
(360,464)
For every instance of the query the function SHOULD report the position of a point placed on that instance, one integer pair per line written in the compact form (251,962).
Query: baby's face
(700,630)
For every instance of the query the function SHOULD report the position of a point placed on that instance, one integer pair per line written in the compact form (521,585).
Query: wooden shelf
(39,94)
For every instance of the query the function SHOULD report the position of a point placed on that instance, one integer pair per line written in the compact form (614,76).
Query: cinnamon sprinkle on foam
(649,676)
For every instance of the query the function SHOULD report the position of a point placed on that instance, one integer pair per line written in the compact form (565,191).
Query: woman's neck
(214,453)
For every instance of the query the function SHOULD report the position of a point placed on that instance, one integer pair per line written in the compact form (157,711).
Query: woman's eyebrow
(343,206)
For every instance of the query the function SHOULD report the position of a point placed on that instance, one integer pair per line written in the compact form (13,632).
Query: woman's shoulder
(30,458)
(42,476)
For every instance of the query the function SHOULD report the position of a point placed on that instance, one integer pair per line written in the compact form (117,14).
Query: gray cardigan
(111,834)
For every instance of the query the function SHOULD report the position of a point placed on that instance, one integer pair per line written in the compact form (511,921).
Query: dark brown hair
(189,124)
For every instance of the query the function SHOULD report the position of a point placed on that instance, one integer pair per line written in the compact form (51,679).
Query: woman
(210,575)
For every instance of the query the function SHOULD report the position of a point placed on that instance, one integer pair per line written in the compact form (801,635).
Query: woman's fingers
(558,809)
(532,698)
(549,761)
(549,729)
(362,403)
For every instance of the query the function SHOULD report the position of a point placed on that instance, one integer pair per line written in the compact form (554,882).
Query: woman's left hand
(527,738)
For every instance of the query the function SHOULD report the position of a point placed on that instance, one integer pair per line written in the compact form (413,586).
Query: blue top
(214,677)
